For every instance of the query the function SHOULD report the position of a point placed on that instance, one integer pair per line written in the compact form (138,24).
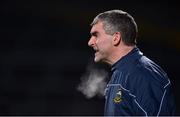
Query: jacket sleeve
(152,97)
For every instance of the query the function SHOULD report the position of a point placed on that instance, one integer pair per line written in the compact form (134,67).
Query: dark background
(44,52)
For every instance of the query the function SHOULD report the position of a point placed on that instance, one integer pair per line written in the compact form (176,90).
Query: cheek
(104,43)
(105,47)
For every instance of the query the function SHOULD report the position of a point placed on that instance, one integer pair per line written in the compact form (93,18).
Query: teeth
(95,49)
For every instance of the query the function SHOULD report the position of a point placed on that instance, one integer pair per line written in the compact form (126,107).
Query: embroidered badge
(118,97)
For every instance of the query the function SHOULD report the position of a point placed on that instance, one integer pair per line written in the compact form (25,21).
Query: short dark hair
(118,21)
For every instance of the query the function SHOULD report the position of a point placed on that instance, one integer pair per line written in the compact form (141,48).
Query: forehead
(98,27)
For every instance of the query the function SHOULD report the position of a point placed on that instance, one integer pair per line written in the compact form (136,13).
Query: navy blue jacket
(138,87)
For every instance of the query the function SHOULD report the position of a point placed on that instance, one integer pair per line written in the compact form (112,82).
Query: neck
(120,52)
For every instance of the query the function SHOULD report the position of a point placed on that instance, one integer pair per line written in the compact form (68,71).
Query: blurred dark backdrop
(44,52)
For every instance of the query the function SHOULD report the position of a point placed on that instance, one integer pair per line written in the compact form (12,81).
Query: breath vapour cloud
(93,82)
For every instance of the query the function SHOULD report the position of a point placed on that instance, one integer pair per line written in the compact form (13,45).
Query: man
(138,86)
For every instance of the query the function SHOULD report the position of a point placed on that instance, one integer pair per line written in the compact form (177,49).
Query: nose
(91,42)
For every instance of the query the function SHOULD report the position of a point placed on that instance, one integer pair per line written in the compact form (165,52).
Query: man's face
(101,43)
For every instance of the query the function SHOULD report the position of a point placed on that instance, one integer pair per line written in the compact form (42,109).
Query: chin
(97,60)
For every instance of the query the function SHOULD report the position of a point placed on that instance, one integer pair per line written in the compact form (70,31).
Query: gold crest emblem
(118,97)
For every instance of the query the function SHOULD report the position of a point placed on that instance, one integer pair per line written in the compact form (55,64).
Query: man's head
(109,30)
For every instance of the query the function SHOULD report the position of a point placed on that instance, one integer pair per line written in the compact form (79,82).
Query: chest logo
(118,97)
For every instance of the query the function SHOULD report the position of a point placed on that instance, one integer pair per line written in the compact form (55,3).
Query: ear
(116,38)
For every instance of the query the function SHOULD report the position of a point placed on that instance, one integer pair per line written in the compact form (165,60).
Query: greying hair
(118,21)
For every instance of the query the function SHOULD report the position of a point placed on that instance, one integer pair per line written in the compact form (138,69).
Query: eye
(94,34)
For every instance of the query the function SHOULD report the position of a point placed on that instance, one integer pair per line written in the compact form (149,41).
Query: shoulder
(149,69)
(146,73)
(141,72)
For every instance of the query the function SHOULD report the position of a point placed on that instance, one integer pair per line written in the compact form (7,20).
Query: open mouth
(96,52)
